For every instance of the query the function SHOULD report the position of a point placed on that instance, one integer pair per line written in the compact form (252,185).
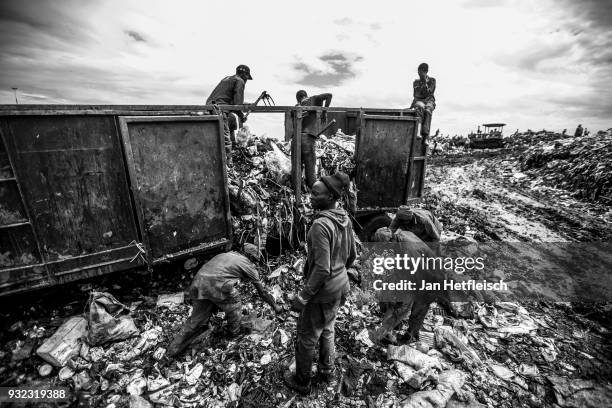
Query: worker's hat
(243,69)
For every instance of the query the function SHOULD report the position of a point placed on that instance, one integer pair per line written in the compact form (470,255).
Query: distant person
(564,132)
(424,101)
(578,132)
(230,91)
(586,132)
(309,132)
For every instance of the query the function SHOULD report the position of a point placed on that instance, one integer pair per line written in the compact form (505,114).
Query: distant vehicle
(491,138)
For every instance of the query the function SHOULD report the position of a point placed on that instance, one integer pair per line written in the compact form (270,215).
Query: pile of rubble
(580,165)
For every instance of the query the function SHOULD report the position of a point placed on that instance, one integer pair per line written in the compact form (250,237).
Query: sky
(531,64)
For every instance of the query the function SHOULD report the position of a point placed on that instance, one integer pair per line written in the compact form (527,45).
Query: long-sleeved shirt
(424,90)
(230,91)
(217,279)
(331,249)
(309,121)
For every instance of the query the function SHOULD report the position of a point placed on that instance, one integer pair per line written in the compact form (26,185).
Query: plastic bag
(105,320)
(278,164)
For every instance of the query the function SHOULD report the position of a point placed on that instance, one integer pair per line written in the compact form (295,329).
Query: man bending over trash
(331,249)
(215,286)
(415,230)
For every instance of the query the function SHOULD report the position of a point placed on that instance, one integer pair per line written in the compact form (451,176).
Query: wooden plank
(296,157)
(124,110)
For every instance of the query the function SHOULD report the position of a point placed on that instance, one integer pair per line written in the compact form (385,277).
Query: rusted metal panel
(72,182)
(179,182)
(383,155)
(73,179)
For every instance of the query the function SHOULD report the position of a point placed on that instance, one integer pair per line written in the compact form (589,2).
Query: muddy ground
(480,195)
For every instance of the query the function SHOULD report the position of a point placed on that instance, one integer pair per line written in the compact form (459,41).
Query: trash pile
(580,165)
(526,139)
(336,154)
(499,355)
(262,200)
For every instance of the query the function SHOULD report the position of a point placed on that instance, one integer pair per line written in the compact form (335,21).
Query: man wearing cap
(310,131)
(215,286)
(331,250)
(230,91)
(424,101)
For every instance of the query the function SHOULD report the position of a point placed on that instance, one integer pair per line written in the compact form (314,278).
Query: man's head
(301,95)
(244,72)
(327,191)
(404,218)
(423,70)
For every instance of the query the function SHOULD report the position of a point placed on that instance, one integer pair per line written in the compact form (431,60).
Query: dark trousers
(197,322)
(315,325)
(309,159)
(396,312)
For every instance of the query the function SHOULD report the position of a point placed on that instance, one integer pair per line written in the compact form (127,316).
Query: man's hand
(297,304)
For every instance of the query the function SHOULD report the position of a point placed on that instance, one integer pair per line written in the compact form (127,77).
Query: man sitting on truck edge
(230,91)
(331,250)
(215,286)
(424,101)
(309,131)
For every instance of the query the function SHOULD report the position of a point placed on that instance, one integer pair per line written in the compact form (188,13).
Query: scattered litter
(65,343)
(171,300)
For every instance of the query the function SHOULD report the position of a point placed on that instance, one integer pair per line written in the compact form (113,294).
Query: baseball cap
(243,69)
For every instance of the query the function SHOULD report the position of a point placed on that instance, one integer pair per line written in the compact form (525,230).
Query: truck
(87,190)
(491,138)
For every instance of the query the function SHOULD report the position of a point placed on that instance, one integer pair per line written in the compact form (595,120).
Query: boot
(291,382)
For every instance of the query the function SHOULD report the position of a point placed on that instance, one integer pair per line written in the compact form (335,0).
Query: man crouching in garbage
(331,249)
(417,231)
(215,286)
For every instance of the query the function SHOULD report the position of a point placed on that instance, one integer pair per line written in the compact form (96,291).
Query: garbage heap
(500,355)
(526,139)
(580,165)
(262,198)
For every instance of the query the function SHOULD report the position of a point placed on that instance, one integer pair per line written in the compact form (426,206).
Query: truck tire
(373,224)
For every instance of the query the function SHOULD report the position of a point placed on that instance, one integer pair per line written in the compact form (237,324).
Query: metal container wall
(66,210)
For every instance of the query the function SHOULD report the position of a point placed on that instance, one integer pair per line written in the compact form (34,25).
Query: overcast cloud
(544,64)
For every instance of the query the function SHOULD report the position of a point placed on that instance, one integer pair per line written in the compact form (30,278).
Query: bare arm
(265,295)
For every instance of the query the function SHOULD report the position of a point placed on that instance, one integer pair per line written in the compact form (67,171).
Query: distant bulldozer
(491,138)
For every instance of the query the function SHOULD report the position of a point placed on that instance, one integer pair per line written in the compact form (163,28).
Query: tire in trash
(374,223)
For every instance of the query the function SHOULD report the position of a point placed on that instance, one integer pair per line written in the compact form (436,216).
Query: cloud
(337,68)
(136,36)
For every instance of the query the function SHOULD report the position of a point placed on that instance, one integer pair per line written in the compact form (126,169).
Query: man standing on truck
(215,286)
(230,91)
(309,131)
(331,250)
(424,101)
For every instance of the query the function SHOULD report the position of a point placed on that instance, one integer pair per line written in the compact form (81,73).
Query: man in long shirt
(309,132)
(417,231)
(331,250)
(424,101)
(215,286)
(230,91)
